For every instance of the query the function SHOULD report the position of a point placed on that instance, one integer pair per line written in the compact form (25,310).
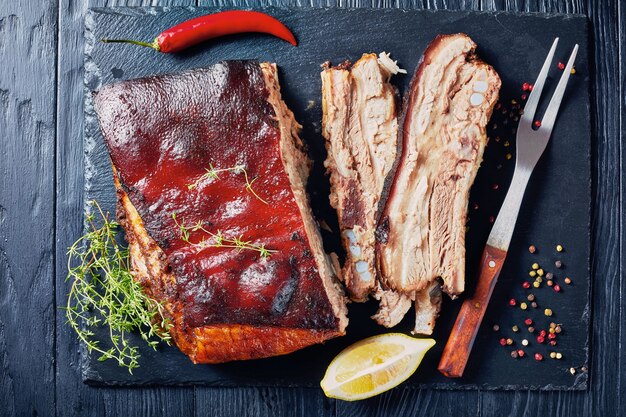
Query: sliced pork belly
(163,133)
(421,232)
(360,127)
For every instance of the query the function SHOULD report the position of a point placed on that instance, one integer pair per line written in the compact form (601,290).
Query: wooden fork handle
(457,350)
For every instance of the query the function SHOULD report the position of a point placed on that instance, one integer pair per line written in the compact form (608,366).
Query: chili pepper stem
(154,45)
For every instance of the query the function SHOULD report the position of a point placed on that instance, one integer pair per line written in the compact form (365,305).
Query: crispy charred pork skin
(421,232)
(225,304)
(360,126)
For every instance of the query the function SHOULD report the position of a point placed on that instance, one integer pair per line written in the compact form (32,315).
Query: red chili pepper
(199,29)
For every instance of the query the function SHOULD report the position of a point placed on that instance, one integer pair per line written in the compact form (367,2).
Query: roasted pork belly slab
(360,127)
(421,232)
(163,134)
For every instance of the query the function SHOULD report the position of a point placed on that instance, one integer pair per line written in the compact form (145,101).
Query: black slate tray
(556,208)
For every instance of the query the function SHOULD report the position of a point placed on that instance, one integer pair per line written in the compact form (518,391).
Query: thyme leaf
(104,293)
(218,240)
(213,173)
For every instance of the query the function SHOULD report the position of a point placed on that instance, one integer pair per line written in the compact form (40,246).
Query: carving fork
(530,145)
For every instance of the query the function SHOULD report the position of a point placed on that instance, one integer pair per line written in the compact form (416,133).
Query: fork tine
(535,94)
(555,102)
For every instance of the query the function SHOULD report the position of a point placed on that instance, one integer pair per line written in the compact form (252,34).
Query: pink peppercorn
(557,288)
(542,333)
(537,123)
(540,339)
(520,353)
(553,342)
(526,284)
(538,357)
(512,302)
(503,342)
(528,322)
(560,66)
(552,336)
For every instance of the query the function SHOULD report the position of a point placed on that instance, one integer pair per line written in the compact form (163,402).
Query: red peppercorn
(528,322)
(538,357)
(491,220)
(525,86)
(552,336)
(530,87)
(537,123)
(520,353)
(526,284)
(495,186)
(560,66)
(553,342)
(542,333)
(524,96)
(475,206)
(512,302)
(557,288)
(540,339)
(503,342)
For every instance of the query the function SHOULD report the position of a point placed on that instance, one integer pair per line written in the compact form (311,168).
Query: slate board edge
(94,378)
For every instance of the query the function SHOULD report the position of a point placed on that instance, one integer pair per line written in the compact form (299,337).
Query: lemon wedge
(374,365)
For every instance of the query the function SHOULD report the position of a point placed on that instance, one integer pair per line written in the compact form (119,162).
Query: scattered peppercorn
(567,280)
(524,342)
(557,288)
(520,353)
(549,275)
(558,264)
(528,322)
(550,283)
(495,186)
(524,96)
(531,297)
(503,341)
(492,219)
(515,329)
(532,273)
(551,336)
(540,272)
(539,280)
(514,354)
(583,369)
(496,327)
(538,356)
(572,371)
(573,71)
(553,355)
(509,341)
(559,355)
(525,86)
(560,66)
(535,266)
(559,248)
(512,302)
(541,339)
(532,249)
(558,329)
(533,304)
(537,123)
(547,312)
(536,284)
(526,284)
(523,306)
(508,156)
(552,342)
(542,333)
(531,329)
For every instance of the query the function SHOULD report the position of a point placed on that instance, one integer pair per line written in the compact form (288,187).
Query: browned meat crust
(162,133)
(421,232)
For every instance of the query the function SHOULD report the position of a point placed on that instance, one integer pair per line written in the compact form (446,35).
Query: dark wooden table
(41,183)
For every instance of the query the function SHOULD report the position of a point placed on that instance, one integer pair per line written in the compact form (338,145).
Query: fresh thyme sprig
(218,240)
(103,292)
(212,173)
